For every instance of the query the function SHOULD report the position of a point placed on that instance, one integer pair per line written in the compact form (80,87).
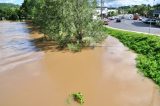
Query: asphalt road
(135,25)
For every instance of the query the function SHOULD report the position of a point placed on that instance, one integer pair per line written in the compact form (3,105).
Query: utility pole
(102,9)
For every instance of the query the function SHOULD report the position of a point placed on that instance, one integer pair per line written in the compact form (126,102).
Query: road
(135,25)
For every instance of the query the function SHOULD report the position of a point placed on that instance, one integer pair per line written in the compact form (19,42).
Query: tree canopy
(9,11)
(67,22)
(143,10)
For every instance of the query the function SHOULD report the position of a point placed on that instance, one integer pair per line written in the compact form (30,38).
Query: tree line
(9,11)
(143,10)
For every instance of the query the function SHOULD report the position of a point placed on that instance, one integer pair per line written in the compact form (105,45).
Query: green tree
(68,21)
(112,13)
(143,10)
(27,10)
(9,11)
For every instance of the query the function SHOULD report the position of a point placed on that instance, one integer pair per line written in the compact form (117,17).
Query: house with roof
(156,14)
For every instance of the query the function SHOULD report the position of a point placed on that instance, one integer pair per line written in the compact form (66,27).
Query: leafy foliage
(9,11)
(78,97)
(8,5)
(74,47)
(28,9)
(143,10)
(68,22)
(112,13)
(148,48)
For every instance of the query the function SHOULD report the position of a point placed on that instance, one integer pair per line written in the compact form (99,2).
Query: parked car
(111,18)
(140,18)
(118,20)
(148,21)
(135,17)
(105,21)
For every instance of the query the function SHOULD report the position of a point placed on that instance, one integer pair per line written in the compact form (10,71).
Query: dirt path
(107,76)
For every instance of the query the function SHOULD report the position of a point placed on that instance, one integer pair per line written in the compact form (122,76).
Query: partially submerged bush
(78,97)
(87,41)
(74,47)
(63,20)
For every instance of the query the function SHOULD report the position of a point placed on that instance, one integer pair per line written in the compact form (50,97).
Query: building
(104,12)
(128,16)
(156,14)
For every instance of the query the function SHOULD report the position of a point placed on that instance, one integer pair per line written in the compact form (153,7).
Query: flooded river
(15,47)
(107,75)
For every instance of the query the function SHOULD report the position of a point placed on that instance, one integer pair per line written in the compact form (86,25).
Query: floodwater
(32,76)
(15,47)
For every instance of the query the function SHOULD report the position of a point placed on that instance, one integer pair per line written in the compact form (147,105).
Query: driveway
(135,25)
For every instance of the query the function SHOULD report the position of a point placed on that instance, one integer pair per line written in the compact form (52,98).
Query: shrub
(74,47)
(78,97)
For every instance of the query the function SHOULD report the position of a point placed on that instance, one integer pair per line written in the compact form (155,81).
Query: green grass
(146,46)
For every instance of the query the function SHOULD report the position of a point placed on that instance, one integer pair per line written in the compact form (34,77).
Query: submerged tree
(68,21)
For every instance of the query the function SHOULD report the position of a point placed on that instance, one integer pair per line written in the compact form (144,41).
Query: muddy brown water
(106,75)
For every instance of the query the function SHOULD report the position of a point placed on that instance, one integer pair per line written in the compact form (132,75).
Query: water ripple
(15,46)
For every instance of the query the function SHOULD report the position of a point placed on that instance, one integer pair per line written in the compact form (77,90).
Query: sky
(116,3)
(12,1)
(108,3)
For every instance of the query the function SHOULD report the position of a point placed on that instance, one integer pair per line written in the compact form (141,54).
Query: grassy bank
(146,46)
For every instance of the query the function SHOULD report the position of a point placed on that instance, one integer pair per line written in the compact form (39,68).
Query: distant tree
(9,11)
(157,7)
(143,10)
(112,13)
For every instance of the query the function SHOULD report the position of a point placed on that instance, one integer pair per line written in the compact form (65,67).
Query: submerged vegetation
(69,23)
(148,48)
(78,97)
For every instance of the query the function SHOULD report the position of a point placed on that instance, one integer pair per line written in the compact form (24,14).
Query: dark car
(148,21)
(118,20)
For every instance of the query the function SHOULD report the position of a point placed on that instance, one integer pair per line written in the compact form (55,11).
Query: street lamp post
(150,25)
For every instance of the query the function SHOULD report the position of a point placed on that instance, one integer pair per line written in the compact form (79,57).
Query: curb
(133,31)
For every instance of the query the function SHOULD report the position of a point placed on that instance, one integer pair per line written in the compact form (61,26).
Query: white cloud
(113,3)
(11,1)
(116,3)
(7,1)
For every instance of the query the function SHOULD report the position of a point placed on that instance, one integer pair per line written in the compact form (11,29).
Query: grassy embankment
(146,46)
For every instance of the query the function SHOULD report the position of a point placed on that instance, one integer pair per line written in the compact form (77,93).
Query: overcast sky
(109,3)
